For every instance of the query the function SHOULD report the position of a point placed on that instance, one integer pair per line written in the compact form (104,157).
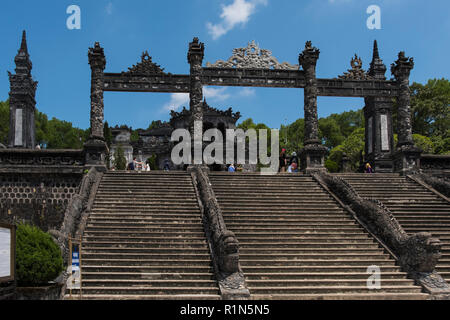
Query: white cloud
(238,12)
(247,92)
(177,100)
(215,94)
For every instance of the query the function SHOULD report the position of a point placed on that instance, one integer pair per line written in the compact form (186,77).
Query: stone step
(321,262)
(146,228)
(172,250)
(142,244)
(146,262)
(333,289)
(325,282)
(343,296)
(108,282)
(286,224)
(140,222)
(145,219)
(330,251)
(179,234)
(315,256)
(147,290)
(148,210)
(180,270)
(147,276)
(146,297)
(318,276)
(148,256)
(298,230)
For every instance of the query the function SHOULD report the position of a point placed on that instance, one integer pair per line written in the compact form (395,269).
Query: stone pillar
(195,59)
(313,153)
(407,155)
(379,138)
(96,148)
(22,101)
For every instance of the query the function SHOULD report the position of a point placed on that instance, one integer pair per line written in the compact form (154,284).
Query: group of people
(235,168)
(290,166)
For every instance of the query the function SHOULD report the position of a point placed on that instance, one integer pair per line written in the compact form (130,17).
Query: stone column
(313,153)
(407,155)
(195,59)
(22,101)
(379,138)
(96,148)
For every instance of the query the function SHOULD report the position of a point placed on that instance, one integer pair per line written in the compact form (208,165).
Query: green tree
(38,259)
(120,162)
(352,146)
(4,122)
(430,104)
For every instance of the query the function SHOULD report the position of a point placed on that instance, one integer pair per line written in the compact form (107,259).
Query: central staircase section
(297,243)
(144,239)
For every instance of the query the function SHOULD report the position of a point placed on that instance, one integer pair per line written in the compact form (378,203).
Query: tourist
(166,165)
(38,147)
(283,161)
(294,158)
(132,165)
(369,168)
(231,168)
(293,168)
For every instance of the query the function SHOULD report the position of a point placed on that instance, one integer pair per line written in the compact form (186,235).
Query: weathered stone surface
(416,253)
(224,244)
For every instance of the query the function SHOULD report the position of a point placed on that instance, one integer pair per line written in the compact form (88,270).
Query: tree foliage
(38,258)
(120,162)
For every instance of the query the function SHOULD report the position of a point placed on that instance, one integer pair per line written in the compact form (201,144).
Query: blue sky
(127,28)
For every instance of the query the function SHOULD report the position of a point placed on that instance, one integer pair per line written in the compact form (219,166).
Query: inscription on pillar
(18,141)
(384,133)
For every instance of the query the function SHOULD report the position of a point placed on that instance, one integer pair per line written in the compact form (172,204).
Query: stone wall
(436,165)
(40,199)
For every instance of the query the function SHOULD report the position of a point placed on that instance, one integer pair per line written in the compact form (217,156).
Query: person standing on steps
(293,168)
(283,161)
(294,158)
(166,165)
(369,168)
(132,165)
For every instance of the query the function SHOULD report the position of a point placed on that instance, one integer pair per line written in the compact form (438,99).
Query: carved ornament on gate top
(252,57)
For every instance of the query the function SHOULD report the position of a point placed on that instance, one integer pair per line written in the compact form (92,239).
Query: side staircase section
(416,208)
(297,243)
(144,239)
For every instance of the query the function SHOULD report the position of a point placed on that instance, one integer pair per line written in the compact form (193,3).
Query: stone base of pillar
(345,164)
(95,151)
(407,159)
(381,164)
(312,158)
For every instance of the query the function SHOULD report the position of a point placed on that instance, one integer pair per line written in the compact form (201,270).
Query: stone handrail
(438,185)
(73,214)
(223,243)
(418,252)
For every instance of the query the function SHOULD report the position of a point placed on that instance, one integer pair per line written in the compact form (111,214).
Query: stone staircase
(297,243)
(144,239)
(416,208)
